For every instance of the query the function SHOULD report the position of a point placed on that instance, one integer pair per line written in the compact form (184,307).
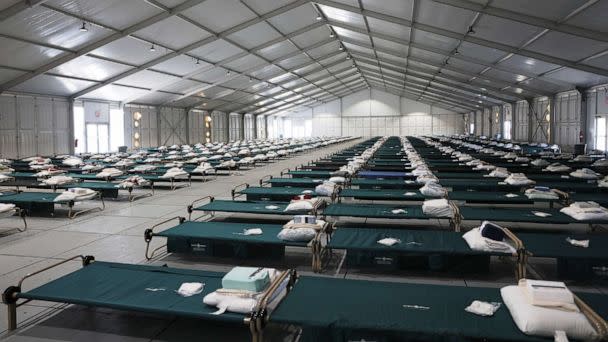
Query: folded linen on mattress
(432,189)
(59,180)
(300,232)
(500,172)
(543,321)
(557,167)
(437,208)
(518,179)
(539,162)
(109,172)
(541,192)
(584,211)
(302,204)
(174,172)
(585,173)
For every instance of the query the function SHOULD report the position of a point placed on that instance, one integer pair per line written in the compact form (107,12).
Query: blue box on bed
(246,278)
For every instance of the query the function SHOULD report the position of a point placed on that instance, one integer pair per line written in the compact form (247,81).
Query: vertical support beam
(254,124)
(158,123)
(12,316)
(584,119)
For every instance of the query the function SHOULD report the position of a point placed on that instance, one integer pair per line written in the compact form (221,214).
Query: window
(600,133)
(506,128)
(472,128)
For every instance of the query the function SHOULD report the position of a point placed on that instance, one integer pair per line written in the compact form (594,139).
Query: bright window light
(117,129)
(79,134)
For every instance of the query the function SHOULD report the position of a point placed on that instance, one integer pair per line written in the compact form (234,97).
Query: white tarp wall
(196,126)
(249,127)
(521,121)
(34,125)
(173,122)
(219,126)
(567,121)
(371,112)
(236,127)
(148,126)
(261,127)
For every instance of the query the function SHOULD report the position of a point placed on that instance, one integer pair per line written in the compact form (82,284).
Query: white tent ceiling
(262,56)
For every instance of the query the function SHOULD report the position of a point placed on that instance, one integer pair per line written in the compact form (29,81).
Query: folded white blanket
(174,172)
(542,321)
(518,179)
(59,180)
(541,193)
(557,167)
(437,208)
(539,162)
(585,173)
(586,211)
(325,189)
(432,189)
(109,172)
(500,172)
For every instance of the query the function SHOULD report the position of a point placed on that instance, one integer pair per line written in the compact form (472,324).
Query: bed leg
(12,316)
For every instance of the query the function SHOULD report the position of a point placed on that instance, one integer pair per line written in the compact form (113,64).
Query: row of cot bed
(73,180)
(326,308)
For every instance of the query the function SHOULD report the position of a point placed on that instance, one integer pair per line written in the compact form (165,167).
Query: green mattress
(246,207)
(296,182)
(375,211)
(273,194)
(352,310)
(519,215)
(123,287)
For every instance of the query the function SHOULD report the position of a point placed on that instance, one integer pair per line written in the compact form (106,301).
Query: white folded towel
(389,241)
(190,289)
(482,308)
(578,243)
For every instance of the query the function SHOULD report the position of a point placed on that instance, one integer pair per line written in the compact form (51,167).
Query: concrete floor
(116,234)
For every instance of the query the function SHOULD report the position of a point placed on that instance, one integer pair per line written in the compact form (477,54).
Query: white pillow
(337,180)
(541,321)
(230,303)
(301,205)
(298,234)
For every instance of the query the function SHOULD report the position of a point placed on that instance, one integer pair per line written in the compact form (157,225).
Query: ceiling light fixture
(250,79)
(471,31)
(319,17)
(347,56)
(228,73)
(331,35)
(83,28)
(198,61)
(341,48)
(152,48)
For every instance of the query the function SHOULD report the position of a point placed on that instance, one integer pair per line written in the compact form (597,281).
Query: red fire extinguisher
(581,137)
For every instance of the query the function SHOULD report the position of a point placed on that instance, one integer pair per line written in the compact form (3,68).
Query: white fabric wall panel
(148,128)
(172,126)
(416,124)
(236,125)
(409,106)
(219,126)
(34,125)
(448,124)
(567,120)
(356,104)
(521,121)
(249,127)
(326,119)
(261,127)
(196,126)
(356,126)
(384,104)
(387,125)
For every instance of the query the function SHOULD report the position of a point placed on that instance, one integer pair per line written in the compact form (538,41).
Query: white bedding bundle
(585,173)
(302,204)
(541,192)
(500,172)
(300,232)
(59,180)
(557,167)
(518,179)
(540,308)
(432,189)
(75,194)
(584,211)
(109,172)
(540,162)
(478,242)
(437,208)
(174,172)
(6,207)
(132,182)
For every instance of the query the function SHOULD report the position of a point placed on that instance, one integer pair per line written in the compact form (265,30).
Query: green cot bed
(245,207)
(308,174)
(293,182)
(107,189)
(226,239)
(263,193)
(463,213)
(141,288)
(43,203)
(465,196)
(331,309)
